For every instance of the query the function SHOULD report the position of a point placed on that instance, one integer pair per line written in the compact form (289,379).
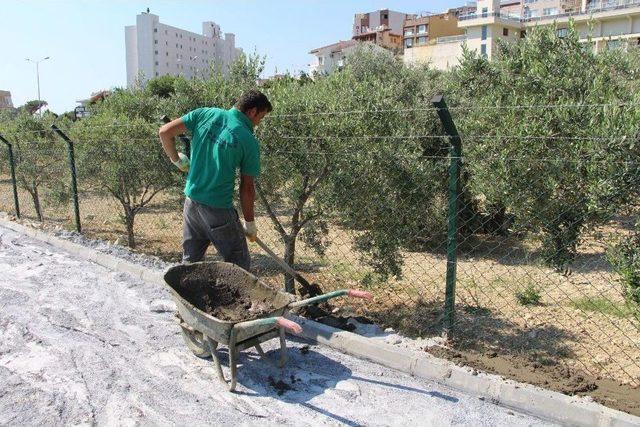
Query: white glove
(250,230)
(182,163)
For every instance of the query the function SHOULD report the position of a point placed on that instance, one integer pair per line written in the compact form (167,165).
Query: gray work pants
(204,224)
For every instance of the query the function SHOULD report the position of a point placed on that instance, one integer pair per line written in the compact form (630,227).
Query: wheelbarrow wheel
(196,342)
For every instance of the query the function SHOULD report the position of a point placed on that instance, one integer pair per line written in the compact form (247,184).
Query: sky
(85,38)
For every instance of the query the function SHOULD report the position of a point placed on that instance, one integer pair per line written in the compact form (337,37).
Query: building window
(548,11)
(155,30)
(165,31)
(562,32)
(156,52)
(485,12)
(166,53)
(523,34)
(422,29)
(320,60)
(483,50)
(505,32)
(156,74)
(484,32)
(155,42)
(421,40)
(156,62)
(408,31)
(385,16)
(408,43)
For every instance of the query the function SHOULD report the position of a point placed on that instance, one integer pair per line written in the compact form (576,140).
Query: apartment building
(434,38)
(383,37)
(5,100)
(368,22)
(155,49)
(608,24)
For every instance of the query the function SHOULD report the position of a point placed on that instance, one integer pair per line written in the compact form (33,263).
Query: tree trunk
(130,217)
(36,202)
(289,258)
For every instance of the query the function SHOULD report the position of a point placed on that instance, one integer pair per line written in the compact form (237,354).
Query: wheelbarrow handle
(325,297)
(280,321)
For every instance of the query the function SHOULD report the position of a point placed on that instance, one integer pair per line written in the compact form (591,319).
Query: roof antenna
(147,10)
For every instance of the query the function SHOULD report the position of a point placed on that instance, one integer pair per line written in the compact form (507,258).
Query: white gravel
(80,344)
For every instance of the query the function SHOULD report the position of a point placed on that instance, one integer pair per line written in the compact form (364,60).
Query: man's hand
(250,230)
(183,163)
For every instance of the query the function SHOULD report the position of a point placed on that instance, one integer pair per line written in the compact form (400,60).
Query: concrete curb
(525,398)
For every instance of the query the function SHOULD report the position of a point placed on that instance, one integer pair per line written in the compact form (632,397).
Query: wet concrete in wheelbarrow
(225,295)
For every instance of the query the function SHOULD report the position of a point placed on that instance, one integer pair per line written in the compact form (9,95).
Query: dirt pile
(222,298)
(550,375)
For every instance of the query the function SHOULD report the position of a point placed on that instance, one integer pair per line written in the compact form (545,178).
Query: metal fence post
(186,141)
(72,166)
(455,154)
(13,175)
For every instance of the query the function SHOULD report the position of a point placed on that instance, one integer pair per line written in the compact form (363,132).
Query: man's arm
(168,133)
(247,200)
(247,197)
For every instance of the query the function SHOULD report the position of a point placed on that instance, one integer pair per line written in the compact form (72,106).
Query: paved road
(81,344)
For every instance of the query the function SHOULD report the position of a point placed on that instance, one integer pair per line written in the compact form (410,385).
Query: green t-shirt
(222,141)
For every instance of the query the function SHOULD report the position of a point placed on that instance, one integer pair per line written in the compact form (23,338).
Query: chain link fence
(530,257)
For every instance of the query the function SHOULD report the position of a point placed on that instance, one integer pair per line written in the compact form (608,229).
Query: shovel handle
(283,265)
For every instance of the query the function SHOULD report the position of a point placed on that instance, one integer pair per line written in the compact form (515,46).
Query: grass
(529,295)
(606,307)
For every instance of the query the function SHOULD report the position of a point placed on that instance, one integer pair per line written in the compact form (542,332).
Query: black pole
(455,154)
(185,140)
(13,175)
(72,167)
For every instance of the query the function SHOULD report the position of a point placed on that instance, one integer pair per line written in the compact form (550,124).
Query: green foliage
(624,256)
(558,171)
(163,86)
(39,155)
(529,295)
(606,307)
(120,155)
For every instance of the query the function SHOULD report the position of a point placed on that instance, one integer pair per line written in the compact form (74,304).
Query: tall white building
(155,49)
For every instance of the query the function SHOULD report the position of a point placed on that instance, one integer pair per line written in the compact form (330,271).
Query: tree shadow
(480,330)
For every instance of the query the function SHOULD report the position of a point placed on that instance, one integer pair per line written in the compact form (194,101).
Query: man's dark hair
(253,99)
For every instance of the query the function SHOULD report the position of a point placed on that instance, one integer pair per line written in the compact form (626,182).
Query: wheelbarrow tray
(191,309)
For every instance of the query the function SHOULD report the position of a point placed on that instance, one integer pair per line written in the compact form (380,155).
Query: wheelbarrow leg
(213,346)
(233,353)
(283,348)
(283,351)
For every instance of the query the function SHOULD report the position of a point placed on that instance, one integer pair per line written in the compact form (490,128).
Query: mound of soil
(222,298)
(552,376)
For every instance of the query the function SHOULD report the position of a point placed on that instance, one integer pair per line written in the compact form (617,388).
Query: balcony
(501,15)
(612,5)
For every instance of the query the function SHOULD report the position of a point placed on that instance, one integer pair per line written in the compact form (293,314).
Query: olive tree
(120,155)
(548,133)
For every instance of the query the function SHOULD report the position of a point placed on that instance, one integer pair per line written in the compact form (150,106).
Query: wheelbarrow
(202,332)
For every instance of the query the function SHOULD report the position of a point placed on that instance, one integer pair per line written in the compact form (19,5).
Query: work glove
(182,163)
(250,230)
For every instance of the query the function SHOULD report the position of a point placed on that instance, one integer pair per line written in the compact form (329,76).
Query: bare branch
(272,215)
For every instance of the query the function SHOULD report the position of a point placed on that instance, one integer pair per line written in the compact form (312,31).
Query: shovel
(311,289)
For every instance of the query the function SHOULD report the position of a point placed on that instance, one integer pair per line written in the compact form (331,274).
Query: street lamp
(38,76)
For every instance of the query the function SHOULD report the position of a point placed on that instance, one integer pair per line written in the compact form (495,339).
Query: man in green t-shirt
(222,141)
